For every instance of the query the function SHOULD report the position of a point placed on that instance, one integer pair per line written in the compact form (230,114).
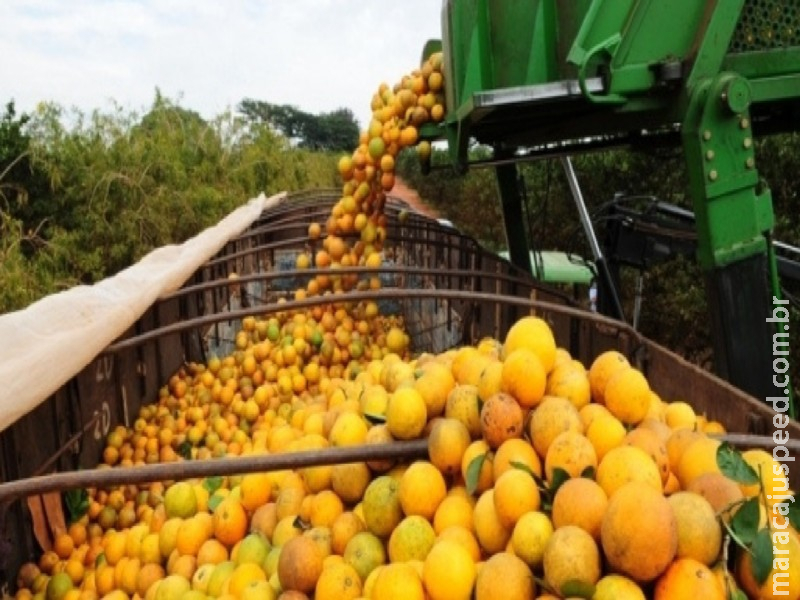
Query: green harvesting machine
(554,77)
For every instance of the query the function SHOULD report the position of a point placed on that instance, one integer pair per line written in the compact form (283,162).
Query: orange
(639,533)
(264,519)
(464,537)
(254,548)
(244,575)
(718,490)
(649,441)
(434,385)
(550,418)
(422,488)
(349,429)
(338,582)
(515,494)
(343,529)
(580,502)
(180,500)
(504,577)
(463,405)
(58,586)
(570,381)
(687,578)
(699,532)
(349,481)
(406,414)
(491,533)
(398,581)
(453,510)
(571,555)
(411,540)
(698,458)
(478,450)
(230,521)
(212,552)
(625,464)
(602,369)
(255,490)
(501,419)
(592,411)
(680,415)
(192,533)
(677,444)
(63,545)
(627,395)
(491,380)
(300,565)
(147,576)
(448,572)
(534,334)
(571,452)
(530,537)
(513,454)
(365,552)
(469,367)
(605,433)
(617,587)
(447,442)
(325,507)
(381,505)
(524,377)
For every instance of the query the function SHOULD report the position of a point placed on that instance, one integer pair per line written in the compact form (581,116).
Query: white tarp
(45,345)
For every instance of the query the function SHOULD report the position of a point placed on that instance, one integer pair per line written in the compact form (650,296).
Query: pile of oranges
(544,479)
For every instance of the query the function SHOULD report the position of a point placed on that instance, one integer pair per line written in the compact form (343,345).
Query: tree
(23,190)
(333,131)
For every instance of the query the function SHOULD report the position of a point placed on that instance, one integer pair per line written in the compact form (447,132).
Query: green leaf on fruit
(212,484)
(540,483)
(738,595)
(733,466)
(300,524)
(558,479)
(185,450)
(577,589)
(374,418)
(744,524)
(761,549)
(474,473)
(77,502)
(213,502)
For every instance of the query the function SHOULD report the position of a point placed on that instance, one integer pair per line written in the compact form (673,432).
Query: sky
(204,55)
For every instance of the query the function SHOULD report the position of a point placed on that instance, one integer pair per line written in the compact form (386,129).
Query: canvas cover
(43,346)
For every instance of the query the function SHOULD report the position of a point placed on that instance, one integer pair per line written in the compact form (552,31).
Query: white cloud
(318,55)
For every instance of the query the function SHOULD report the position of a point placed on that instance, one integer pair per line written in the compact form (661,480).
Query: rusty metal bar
(493,275)
(74,439)
(190,469)
(746,440)
(383,294)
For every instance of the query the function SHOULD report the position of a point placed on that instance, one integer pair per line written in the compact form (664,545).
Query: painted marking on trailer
(105,368)
(125,405)
(104,422)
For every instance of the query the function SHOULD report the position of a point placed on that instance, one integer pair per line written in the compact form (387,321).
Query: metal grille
(766,24)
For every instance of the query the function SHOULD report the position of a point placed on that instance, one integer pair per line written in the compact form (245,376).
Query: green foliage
(333,131)
(108,188)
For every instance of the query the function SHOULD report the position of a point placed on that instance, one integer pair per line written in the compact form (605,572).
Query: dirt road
(411,197)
